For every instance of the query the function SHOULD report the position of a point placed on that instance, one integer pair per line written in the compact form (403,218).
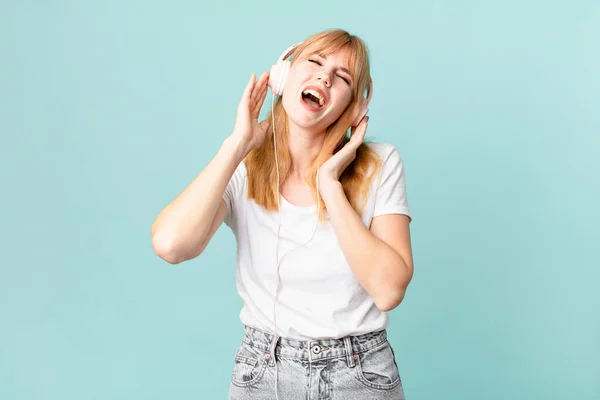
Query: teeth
(317,95)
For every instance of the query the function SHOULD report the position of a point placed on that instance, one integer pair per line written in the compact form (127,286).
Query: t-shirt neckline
(285,204)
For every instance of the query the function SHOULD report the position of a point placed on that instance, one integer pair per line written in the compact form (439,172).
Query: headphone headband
(288,52)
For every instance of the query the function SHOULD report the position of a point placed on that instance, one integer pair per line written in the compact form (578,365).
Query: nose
(324,78)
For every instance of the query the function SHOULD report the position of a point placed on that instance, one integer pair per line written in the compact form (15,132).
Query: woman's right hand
(248,131)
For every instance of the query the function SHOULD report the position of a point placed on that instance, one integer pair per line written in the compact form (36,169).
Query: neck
(304,147)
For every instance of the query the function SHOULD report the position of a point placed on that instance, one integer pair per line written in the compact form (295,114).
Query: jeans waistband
(312,350)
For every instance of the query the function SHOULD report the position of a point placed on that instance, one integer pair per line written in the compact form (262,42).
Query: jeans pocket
(248,367)
(376,368)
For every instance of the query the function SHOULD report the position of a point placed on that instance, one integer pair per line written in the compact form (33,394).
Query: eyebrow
(342,68)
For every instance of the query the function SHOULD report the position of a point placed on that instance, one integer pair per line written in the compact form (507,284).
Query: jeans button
(316,349)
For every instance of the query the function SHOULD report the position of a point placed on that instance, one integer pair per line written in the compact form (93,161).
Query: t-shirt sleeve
(391,197)
(232,193)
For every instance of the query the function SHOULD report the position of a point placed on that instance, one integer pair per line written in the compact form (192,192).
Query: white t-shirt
(318,297)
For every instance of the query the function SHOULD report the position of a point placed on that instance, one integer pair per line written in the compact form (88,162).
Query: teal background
(109,109)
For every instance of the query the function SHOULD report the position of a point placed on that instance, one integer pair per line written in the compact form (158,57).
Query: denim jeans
(359,367)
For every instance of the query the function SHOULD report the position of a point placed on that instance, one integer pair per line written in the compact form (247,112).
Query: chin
(306,123)
(300,118)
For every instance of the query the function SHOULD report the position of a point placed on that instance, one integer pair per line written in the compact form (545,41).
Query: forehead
(341,56)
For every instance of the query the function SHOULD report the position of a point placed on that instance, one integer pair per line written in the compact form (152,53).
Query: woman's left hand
(329,173)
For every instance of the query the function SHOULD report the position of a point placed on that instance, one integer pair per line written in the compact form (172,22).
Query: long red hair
(356,179)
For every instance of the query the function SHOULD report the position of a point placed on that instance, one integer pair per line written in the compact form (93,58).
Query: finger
(358,136)
(362,125)
(353,128)
(261,99)
(257,86)
(248,89)
(258,99)
(259,89)
(264,124)
(364,128)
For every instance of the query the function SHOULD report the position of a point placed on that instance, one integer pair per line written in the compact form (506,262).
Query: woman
(322,228)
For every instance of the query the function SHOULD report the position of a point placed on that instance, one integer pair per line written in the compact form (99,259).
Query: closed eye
(319,63)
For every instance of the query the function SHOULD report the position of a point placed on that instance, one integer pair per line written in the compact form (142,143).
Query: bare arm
(181,230)
(380,257)
(184,227)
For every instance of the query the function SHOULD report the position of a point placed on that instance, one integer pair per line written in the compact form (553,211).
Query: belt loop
(271,361)
(349,352)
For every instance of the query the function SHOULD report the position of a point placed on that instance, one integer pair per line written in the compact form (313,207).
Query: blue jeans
(359,367)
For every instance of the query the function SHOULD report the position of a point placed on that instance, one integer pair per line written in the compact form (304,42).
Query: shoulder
(387,152)
(237,182)
(241,168)
(240,173)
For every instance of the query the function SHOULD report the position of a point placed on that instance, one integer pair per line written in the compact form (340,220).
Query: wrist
(237,146)
(328,187)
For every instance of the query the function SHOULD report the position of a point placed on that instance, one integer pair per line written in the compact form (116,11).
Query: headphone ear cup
(278,77)
(363,107)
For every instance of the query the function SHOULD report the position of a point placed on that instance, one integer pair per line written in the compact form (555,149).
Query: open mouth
(313,98)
